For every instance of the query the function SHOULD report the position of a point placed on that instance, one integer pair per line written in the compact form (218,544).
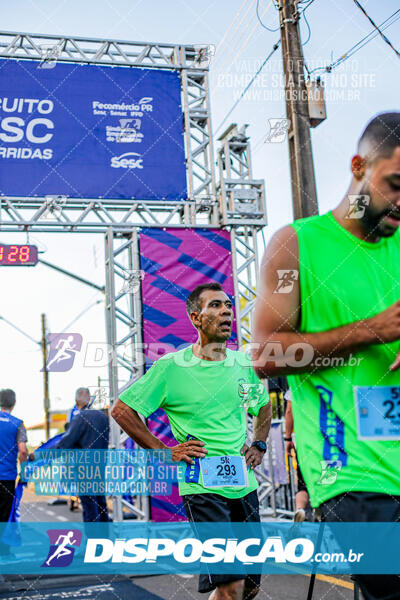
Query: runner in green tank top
(328,316)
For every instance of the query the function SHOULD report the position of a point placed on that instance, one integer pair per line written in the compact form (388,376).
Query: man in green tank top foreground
(205,389)
(328,316)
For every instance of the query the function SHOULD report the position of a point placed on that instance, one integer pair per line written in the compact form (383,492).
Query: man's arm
(22,438)
(130,421)
(74,433)
(276,341)
(22,452)
(262,424)
(289,445)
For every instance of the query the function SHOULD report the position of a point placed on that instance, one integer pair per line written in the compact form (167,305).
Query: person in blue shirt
(88,429)
(13,440)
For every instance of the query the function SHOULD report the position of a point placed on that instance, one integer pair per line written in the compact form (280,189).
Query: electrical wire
(243,46)
(274,48)
(360,44)
(308,26)
(81,314)
(232,46)
(260,21)
(231,24)
(385,39)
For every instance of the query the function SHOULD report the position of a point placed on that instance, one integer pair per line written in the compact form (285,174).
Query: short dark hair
(7,398)
(380,137)
(193,302)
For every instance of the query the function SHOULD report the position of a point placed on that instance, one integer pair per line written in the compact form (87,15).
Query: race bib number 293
(221,471)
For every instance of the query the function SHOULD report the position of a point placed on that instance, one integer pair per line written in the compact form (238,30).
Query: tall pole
(304,195)
(45,378)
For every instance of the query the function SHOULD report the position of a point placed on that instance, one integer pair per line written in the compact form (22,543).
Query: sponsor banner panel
(91,131)
(174,262)
(156,548)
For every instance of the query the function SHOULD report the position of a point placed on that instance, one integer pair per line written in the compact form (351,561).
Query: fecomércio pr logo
(63,543)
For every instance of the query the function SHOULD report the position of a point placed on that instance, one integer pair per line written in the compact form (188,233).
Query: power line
(236,30)
(232,42)
(385,39)
(81,315)
(232,23)
(274,48)
(366,39)
(260,21)
(244,44)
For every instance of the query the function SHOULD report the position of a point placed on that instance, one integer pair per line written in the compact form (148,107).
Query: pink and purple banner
(175,261)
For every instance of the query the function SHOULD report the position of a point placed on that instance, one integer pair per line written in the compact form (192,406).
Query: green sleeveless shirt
(342,280)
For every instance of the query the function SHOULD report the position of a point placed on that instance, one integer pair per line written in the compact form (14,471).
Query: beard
(372,219)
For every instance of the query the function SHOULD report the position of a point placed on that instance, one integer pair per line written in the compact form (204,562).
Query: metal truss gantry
(62,213)
(237,203)
(242,208)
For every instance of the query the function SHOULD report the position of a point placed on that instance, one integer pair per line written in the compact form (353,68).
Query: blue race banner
(156,548)
(90,131)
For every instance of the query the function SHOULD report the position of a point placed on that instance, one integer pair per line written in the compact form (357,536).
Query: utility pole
(304,195)
(45,378)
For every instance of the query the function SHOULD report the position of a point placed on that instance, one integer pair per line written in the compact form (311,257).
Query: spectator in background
(13,440)
(302,499)
(89,429)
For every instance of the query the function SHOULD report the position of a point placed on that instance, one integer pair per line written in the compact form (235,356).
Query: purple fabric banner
(175,261)
(275,438)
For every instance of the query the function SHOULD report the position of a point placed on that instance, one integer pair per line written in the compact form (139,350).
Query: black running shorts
(216,508)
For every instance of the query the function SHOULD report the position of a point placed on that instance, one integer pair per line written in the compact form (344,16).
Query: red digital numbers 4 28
(17,255)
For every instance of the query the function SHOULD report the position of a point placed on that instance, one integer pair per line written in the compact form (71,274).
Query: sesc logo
(129,160)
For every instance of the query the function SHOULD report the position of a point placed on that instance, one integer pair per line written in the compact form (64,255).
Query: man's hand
(289,446)
(186,450)
(396,363)
(386,325)
(252,455)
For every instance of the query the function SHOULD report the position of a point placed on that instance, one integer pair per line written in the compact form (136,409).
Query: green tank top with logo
(347,415)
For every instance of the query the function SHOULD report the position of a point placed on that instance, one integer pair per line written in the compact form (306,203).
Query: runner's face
(216,316)
(382,215)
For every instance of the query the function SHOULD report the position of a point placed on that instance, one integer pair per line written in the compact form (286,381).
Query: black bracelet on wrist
(287,439)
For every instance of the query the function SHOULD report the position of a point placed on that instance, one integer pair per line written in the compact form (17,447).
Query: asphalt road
(164,587)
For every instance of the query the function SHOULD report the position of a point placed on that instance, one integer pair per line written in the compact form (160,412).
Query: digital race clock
(18,256)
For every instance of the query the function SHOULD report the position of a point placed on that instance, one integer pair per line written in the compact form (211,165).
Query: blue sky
(364,85)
